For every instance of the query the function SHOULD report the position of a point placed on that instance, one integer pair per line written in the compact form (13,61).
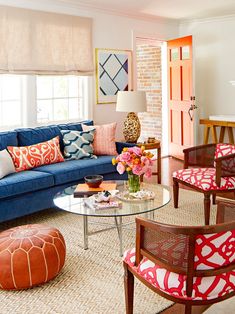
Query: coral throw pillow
(104,141)
(28,157)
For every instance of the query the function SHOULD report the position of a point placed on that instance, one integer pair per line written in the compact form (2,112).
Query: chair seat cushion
(204,179)
(24,182)
(204,288)
(74,170)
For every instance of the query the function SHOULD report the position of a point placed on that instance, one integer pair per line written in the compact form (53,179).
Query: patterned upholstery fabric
(224,150)
(104,141)
(28,157)
(214,250)
(204,178)
(204,288)
(78,144)
(228,166)
(30,255)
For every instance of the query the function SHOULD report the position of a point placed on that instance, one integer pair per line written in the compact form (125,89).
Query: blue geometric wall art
(113,74)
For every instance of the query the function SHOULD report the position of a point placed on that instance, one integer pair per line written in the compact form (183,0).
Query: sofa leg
(207,205)
(129,289)
(176,193)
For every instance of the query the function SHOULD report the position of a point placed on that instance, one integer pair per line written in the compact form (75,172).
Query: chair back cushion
(214,250)
(228,166)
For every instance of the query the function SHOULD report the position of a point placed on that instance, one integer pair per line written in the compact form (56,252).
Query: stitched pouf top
(30,255)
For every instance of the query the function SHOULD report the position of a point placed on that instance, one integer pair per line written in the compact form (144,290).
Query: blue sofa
(30,191)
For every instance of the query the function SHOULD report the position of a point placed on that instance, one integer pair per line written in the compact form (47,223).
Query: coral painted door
(180,98)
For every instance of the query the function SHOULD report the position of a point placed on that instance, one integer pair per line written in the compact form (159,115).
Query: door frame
(165,122)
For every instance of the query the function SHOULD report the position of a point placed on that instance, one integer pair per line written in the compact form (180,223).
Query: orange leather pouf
(30,255)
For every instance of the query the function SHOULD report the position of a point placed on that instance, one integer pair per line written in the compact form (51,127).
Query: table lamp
(132,102)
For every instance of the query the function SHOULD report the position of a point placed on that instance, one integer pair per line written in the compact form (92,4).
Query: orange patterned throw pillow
(104,140)
(28,157)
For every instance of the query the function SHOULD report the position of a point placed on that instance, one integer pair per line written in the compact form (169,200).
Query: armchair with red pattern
(188,265)
(212,171)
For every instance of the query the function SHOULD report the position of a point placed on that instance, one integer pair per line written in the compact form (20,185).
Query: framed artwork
(113,74)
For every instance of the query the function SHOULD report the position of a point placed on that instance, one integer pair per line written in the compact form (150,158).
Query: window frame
(29,105)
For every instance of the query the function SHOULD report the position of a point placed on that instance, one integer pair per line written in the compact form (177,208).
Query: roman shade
(35,42)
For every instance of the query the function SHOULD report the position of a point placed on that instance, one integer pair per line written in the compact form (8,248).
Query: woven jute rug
(92,280)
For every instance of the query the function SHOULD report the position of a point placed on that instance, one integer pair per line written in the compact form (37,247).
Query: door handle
(191,108)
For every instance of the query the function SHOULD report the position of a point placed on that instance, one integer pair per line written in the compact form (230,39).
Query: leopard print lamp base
(131,130)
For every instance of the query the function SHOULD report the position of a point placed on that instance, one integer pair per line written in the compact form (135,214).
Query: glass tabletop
(65,200)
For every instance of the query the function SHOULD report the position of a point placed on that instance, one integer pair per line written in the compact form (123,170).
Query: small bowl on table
(93,181)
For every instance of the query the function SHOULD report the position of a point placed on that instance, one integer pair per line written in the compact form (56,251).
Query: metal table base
(118,225)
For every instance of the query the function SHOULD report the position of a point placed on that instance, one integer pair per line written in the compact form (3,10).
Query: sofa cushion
(32,156)
(8,139)
(104,141)
(31,136)
(76,126)
(78,144)
(74,170)
(6,164)
(23,182)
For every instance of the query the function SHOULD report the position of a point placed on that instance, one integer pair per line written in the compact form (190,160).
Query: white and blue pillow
(78,144)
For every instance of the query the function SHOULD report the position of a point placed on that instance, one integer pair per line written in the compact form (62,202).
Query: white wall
(109,31)
(214,65)
(120,36)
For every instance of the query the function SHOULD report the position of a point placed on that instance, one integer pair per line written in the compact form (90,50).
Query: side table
(154,145)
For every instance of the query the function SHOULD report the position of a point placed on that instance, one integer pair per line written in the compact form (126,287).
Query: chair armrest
(199,156)
(121,145)
(225,167)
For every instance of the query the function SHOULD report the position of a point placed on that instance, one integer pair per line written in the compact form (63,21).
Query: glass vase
(133,183)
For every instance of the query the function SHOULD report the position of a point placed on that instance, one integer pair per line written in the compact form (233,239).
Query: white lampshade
(131,101)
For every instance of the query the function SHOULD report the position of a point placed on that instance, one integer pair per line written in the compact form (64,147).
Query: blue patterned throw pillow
(78,144)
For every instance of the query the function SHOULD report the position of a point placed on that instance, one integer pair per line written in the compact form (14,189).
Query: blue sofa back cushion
(74,126)
(30,136)
(8,139)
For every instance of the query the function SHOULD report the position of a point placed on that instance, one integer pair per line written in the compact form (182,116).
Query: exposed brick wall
(148,59)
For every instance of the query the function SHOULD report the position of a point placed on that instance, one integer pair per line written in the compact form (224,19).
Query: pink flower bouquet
(134,160)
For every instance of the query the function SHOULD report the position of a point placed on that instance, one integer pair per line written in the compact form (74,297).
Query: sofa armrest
(121,145)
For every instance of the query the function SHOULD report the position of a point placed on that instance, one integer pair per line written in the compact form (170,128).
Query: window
(34,100)
(11,100)
(59,98)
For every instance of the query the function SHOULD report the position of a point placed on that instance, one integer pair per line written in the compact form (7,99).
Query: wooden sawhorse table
(212,125)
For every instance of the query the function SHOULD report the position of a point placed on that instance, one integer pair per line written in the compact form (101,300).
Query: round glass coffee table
(65,200)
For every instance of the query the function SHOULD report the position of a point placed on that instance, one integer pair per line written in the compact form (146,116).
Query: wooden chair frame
(191,232)
(202,162)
